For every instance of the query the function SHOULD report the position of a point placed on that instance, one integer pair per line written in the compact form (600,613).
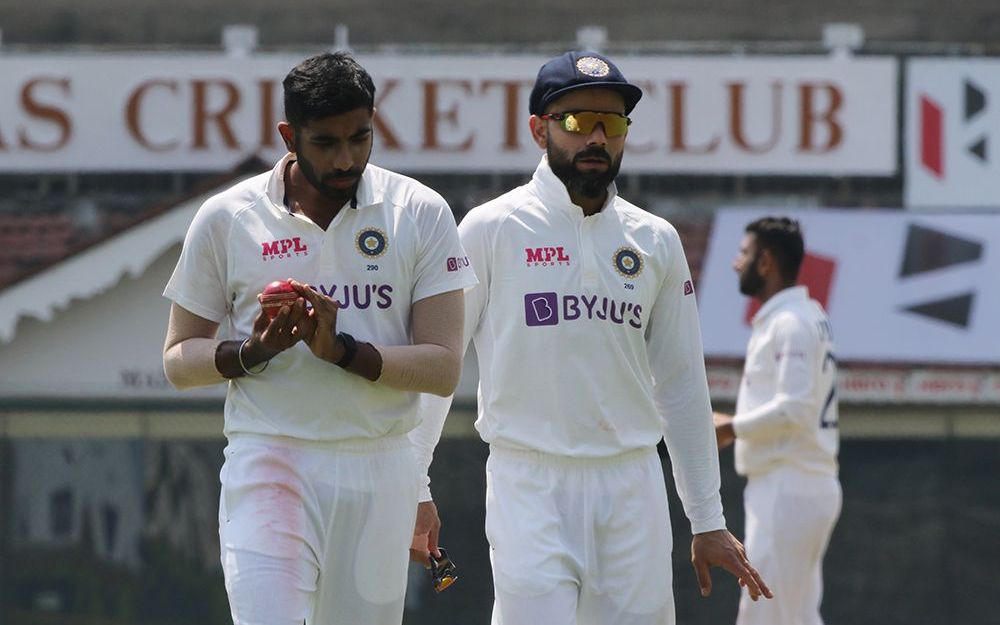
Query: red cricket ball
(275,295)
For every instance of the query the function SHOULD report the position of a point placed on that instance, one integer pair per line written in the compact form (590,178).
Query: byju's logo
(284,248)
(546,309)
(457,262)
(541,309)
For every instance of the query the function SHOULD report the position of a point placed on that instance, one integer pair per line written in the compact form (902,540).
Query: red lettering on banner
(268,120)
(203,116)
(737,101)
(133,110)
(432,115)
(511,109)
(53,115)
(390,140)
(678,125)
(809,117)
(944,385)
(634,147)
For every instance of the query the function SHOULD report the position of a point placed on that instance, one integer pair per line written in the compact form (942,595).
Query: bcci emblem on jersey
(372,242)
(628,262)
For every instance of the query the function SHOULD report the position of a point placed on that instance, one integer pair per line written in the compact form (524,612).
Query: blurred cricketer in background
(320,484)
(586,330)
(785,428)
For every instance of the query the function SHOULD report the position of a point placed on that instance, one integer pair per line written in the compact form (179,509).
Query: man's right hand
(273,336)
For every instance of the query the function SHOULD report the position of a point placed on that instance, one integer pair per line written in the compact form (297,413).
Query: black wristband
(350,349)
(227,359)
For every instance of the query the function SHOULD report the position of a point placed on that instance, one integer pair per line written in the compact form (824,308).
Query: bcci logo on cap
(593,67)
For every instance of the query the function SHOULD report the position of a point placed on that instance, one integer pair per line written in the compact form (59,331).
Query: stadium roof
(95,267)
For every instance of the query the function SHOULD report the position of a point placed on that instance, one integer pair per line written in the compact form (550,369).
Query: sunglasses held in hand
(583,122)
(444,573)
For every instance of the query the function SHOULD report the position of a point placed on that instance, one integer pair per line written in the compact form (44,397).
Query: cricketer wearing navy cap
(574,70)
(586,331)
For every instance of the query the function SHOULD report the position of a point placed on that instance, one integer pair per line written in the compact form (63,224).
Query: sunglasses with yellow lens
(583,122)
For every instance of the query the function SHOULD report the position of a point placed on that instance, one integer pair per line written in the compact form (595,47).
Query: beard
(589,184)
(751,282)
(334,194)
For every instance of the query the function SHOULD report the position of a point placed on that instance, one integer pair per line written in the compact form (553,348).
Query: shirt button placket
(587,252)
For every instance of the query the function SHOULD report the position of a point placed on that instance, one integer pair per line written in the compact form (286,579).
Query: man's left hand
(425,533)
(322,335)
(725,435)
(720,548)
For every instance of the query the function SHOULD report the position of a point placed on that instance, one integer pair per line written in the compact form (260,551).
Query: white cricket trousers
(790,515)
(317,532)
(579,541)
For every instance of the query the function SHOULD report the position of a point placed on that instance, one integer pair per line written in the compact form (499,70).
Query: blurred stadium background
(874,123)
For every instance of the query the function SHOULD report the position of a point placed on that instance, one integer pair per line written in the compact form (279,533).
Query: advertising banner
(899,287)
(951,130)
(789,115)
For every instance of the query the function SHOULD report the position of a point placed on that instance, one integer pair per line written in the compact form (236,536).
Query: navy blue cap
(576,70)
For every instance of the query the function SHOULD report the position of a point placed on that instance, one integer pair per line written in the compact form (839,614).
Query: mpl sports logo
(548,309)
(283,248)
(553,256)
(951,133)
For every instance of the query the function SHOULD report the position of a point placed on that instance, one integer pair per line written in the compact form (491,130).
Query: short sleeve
(442,264)
(198,283)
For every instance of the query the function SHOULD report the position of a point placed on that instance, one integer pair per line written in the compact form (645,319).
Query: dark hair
(783,238)
(324,85)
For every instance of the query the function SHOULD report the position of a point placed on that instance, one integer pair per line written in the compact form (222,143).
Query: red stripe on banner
(816,273)
(931,136)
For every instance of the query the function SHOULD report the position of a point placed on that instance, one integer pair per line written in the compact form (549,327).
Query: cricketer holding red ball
(321,483)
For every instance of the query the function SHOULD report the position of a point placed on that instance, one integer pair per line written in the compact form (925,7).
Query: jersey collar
(369,193)
(553,193)
(781,299)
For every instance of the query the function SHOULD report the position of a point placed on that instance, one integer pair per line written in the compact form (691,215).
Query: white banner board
(899,287)
(805,115)
(951,133)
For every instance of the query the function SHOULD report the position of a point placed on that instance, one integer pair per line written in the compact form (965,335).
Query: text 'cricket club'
(546,309)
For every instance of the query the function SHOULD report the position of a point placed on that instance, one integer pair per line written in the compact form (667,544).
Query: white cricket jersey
(786,411)
(398,246)
(586,330)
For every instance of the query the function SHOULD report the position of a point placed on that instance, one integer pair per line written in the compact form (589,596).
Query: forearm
(691,443)
(191,363)
(424,368)
(203,361)
(772,419)
(425,437)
